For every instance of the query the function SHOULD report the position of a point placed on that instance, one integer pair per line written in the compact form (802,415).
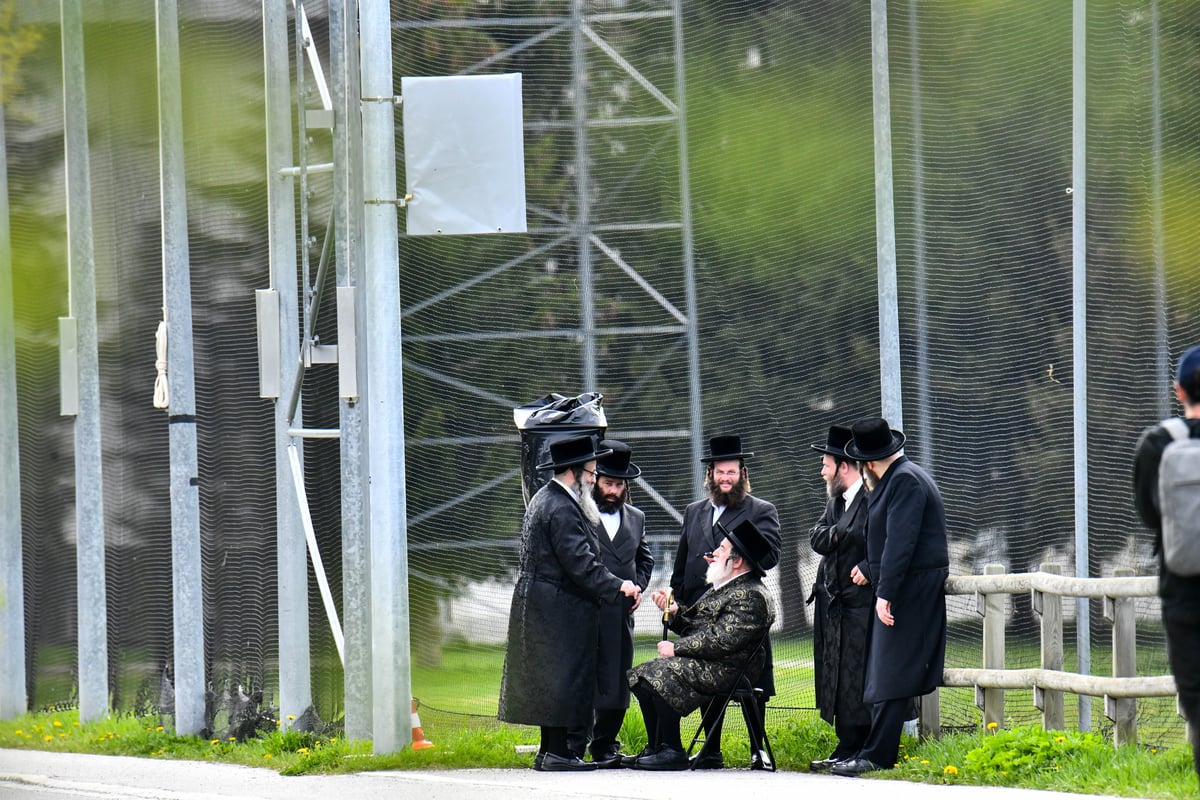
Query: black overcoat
(842,612)
(626,555)
(549,674)
(908,562)
(717,634)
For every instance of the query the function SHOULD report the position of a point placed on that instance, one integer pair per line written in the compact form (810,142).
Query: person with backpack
(1166,493)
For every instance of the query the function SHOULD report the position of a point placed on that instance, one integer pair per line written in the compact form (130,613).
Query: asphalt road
(33,775)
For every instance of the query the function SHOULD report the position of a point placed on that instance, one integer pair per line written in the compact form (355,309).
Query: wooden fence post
(991,606)
(1050,609)
(1122,710)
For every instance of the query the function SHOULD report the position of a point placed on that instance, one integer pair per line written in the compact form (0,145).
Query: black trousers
(662,721)
(1181,621)
(602,733)
(887,723)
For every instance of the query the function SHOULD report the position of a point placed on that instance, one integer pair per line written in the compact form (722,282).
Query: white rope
(161,397)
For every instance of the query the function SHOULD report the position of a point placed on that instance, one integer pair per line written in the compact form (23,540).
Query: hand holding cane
(666,619)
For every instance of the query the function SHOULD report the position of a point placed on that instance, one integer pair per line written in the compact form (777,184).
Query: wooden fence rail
(1049,682)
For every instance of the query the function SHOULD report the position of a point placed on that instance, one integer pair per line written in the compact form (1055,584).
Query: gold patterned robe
(717,634)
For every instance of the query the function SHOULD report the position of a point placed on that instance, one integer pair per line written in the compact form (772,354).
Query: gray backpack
(1179,499)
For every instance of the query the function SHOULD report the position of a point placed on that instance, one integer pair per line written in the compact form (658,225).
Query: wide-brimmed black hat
(835,442)
(750,542)
(575,450)
(617,463)
(725,448)
(873,439)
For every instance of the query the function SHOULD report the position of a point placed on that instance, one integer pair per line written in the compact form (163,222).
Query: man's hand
(666,649)
(883,610)
(857,577)
(660,600)
(630,589)
(637,601)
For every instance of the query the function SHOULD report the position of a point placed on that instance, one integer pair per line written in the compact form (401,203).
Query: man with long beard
(718,635)
(624,551)
(727,483)
(843,600)
(550,662)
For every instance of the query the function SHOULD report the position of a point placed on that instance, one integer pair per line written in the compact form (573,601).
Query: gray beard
(588,503)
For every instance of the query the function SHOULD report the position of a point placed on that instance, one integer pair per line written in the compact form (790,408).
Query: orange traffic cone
(419,742)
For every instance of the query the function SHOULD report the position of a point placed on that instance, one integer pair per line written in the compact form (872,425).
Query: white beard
(717,571)
(583,494)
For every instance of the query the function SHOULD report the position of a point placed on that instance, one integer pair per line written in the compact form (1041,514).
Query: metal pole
(1161,334)
(13,700)
(924,411)
(583,189)
(885,223)
(347,229)
(696,422)
(295,681)
(1079,337)
(188,582)
(89,485)
(384,406)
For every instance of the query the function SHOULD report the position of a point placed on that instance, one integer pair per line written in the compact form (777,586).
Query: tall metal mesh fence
(771,206)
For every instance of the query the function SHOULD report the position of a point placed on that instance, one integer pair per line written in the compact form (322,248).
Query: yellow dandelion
(278,723)
(47,738)
(159,729)
(19,732)
(268,756)
(333,739)
(1154,750)
(303,751)
(233,738)
(924,760)
(76,723)
(291,716)
(1060,738)
(215,741)
(950,769)
(57,724)
(993,725)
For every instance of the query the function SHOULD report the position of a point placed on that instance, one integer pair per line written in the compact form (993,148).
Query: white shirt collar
(852,492)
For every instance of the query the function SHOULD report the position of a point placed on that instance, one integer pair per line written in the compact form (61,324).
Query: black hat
(750,542)
(569,452)
(873,439)
(725,448)
(835,442)
(616,464)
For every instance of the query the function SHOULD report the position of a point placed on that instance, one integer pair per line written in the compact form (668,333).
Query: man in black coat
(624,551)
(719,635)
(907,563)
(1180,594)
(549,674)
(844,600)
(727,481)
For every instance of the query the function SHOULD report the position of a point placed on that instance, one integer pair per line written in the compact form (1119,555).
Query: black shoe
(629,761)
(760,760)
(611,759)
(667,758)
(853,767)
(823,765)
(709,761)
(552,762)
(537,760)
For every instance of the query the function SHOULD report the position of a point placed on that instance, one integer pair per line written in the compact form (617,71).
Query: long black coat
(842,612)
(626,555)
(908,561)
(698,536)
(718,633)
(550,665)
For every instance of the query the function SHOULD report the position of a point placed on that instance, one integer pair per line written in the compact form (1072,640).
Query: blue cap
(1189,362)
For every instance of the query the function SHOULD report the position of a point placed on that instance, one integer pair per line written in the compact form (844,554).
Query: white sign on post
(464,154)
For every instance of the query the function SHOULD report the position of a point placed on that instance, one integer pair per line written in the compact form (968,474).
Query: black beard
(607,506)
(732,498)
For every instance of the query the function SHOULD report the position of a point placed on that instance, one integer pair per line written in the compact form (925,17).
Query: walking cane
(667,613)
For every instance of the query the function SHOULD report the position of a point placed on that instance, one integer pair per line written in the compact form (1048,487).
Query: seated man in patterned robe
(718,633)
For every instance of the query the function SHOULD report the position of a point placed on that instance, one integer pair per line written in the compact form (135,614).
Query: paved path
(34,775)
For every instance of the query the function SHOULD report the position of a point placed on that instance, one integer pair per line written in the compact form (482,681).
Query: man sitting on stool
(717,635)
